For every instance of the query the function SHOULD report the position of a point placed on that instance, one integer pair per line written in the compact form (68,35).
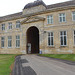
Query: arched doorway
(32,40)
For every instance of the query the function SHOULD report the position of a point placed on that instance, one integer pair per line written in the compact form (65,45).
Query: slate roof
(17,15)
(68,3)
(35,3)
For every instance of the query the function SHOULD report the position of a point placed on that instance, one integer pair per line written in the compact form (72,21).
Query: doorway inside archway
(33,40)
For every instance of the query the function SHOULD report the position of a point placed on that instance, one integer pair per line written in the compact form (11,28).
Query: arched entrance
(32,40)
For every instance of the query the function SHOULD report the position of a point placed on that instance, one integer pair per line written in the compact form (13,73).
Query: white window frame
(18,24)
(50,19)
(2,42)
(50,39)
(63,38)
(73,15)
(17,40)
(10,25)
(62,17)
(3,27)
(9,39)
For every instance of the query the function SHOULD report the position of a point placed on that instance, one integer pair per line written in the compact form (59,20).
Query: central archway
(32,40)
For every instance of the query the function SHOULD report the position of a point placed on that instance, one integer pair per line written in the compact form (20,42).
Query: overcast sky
(13,6)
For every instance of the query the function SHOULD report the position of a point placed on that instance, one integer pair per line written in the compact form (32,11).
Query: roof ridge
(12,14)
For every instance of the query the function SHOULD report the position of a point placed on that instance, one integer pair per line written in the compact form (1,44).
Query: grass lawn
(70,57)
(5,63)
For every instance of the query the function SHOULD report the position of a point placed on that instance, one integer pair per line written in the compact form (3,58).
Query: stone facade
(37,17)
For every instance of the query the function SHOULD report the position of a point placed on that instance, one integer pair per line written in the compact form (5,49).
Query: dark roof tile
(68,3)
(35,3)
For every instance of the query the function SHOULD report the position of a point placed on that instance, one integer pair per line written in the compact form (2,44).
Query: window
(63,38)
(74,37)
(50,39)
(18,24)
(10,25)
(2,42)
(73,15)
(17,41)
(9,41)
(49,19)
(62,17)
(3,26)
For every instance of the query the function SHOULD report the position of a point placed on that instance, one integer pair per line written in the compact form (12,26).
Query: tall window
(18,24)
(50,39)
(62,17)
(17,41)
(3,26)
(63,38)
(49,19)
(10,25)
(2,42)
(74,37)
(9,41)
(73,15)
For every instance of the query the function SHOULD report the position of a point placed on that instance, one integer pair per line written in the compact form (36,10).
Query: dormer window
(18,24)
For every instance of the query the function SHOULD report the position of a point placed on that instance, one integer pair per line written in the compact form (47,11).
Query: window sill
(2,47)
(9,47)
(51,46)
(63,46)
(17,47)
(50,24)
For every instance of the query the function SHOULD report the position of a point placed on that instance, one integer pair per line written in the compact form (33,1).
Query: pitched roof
(68,3)
(18,15)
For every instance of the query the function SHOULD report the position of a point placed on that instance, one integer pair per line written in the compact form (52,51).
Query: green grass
(5,63)
(70,57)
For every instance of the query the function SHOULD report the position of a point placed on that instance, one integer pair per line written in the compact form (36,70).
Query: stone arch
(32,40)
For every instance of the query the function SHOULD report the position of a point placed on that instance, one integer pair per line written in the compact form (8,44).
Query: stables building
(39,27)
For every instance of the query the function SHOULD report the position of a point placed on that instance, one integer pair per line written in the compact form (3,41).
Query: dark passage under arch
(32,40)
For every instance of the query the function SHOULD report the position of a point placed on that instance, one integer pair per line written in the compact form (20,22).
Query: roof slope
(17,15)
(35,3)
(68,3)
(11,16)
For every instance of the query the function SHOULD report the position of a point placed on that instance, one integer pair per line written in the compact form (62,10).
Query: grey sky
(13,6)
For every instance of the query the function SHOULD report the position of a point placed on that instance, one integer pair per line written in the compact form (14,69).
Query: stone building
(39,27)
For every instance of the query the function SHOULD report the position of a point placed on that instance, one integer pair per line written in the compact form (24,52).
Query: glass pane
(65,40)
(51,40)
(63,19)
(2,44)
(61,40)
(60,19)
(74,17)
(74,32)
(61,33)
(51,33)
(64,32)
(48,34)
(48,41)
(74,12)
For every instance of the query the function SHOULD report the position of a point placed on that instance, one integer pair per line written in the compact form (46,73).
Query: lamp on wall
(44,31)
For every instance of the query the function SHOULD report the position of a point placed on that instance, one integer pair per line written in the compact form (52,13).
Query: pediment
(32,19)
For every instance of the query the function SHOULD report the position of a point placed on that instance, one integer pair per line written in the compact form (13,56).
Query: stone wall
(56,27)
